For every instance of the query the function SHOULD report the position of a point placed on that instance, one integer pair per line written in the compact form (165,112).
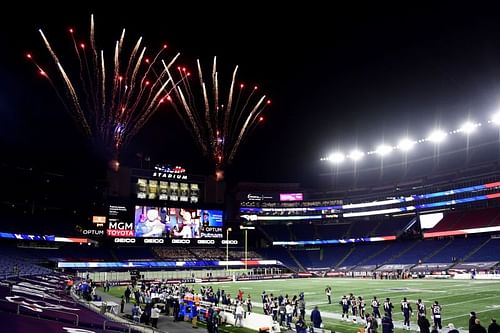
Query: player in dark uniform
(362,307)
(354,308)
(422,311)
(436,314)
(388,307)
(406,310)
(345,307)
(387,324)
(375,307)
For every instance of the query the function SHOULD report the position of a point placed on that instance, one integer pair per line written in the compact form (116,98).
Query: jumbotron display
(152,222)
(168,222)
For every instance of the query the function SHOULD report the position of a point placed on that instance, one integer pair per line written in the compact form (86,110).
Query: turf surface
(457,297)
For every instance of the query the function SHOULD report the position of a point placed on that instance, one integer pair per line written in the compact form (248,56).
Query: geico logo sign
(153,241)
(181,241)
(206,241)
(230,242)
(125,240)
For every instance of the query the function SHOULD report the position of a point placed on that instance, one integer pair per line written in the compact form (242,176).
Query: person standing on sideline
(122,304)
(452,328)
(328,292)
(136,313)
(155,315)
(436,314)
(208,318)
(422,311)
(472,320)
(494,327)
(354,308)
(289,315)
(361,307)
(477,327)
(300,326)
(316,317)
(249,303)
(387,324)
(375,307)
(423,324)
(194,316)
(301,305)
(407,311)
(368,323)
(345,307)
(216,321)
(371,323)
(388,307)
(127,294)
(239,315)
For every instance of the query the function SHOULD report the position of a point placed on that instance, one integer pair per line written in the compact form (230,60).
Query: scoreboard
(167,185)
(153,189)
(165,225)
(163,205)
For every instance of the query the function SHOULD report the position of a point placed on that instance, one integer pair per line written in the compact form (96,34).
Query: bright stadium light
(383,150)
(336,158)
(468,127)
(496,118)
(356,155)
(437,136)
(406,144)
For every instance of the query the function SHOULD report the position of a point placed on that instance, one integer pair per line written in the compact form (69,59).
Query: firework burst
(219,119)
(110,99)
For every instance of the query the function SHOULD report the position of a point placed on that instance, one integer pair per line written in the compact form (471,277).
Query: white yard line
(470,300)
(467,314)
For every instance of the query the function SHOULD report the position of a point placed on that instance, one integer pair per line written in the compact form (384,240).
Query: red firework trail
(218,128)
(110,98)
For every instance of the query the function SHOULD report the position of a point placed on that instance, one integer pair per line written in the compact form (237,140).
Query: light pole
(227,248)
(242,227)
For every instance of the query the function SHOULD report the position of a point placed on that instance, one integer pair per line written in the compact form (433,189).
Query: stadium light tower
(406,144)
(336,158)
(496,118)
(242,227)
(437,136)
(383,150)
(356,155)
(227,248)
(468,127)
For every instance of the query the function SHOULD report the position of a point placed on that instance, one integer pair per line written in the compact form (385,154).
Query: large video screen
(119,222)
(172,222)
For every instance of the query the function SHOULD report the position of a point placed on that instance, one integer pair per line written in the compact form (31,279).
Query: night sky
(337,77)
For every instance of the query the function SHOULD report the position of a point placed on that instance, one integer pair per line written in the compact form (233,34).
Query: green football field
(457,297)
